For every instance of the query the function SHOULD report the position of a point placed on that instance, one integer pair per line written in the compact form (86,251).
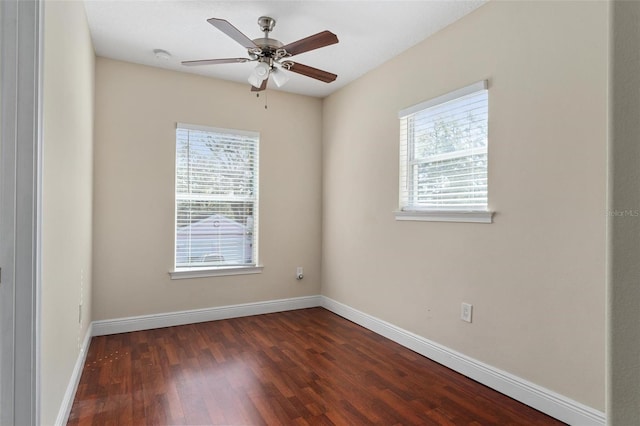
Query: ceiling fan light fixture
(262,71)
(254,81)
(279,77)
(259,74)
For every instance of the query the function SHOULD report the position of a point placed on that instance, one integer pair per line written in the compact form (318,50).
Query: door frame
(20,176)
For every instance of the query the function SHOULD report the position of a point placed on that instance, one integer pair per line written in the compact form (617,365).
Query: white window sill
(446,216)
(214,272)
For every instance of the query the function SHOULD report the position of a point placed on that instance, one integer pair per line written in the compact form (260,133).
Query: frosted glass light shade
(279,77)
(259,74)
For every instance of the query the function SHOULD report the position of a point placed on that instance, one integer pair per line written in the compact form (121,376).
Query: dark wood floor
(299,367)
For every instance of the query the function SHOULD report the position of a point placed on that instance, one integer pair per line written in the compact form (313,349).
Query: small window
(443,157)
(216,198)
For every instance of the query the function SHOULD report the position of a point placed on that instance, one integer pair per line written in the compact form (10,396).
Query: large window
(443,157)
(216,198)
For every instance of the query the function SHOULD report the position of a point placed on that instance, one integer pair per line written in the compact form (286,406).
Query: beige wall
(137,108)
(536,277)
(68,101)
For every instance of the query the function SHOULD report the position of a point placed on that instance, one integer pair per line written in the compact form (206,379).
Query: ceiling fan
(272,55)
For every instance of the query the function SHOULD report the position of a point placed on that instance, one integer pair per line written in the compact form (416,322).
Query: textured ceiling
(370,33)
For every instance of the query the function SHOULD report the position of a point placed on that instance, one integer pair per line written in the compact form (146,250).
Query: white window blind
(443,152)
(216,197)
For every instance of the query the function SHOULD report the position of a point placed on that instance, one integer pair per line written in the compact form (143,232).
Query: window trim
(440,215)
(464,91)
(196,127)
(186,273)
(472,216)
(178,273)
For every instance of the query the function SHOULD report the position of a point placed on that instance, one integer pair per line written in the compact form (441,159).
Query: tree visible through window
(443,152)
(216,197)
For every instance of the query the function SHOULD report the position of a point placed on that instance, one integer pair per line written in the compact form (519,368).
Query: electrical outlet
(466,311)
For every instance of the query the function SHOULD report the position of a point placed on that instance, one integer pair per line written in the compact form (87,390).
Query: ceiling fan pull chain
(265,99)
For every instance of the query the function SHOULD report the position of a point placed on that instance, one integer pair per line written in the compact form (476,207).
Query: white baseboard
(70,393)
(148,322)
(545,400)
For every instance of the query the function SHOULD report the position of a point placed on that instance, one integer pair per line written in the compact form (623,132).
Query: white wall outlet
(299,273)
(466,311)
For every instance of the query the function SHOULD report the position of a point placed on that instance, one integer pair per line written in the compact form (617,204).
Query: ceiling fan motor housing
(268,44)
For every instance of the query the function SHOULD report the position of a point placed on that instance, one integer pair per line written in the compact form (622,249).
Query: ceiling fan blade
(262,86)
(215,61)
(232,32)
(316,41)
(308,71)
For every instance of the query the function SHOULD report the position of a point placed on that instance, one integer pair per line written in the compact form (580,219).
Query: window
(443,158)
(216,201)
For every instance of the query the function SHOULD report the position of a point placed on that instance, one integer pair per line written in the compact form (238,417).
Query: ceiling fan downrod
(266,24)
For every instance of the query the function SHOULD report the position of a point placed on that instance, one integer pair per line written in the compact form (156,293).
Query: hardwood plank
(306,367)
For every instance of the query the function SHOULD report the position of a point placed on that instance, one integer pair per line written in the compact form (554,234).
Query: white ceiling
(370,33)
